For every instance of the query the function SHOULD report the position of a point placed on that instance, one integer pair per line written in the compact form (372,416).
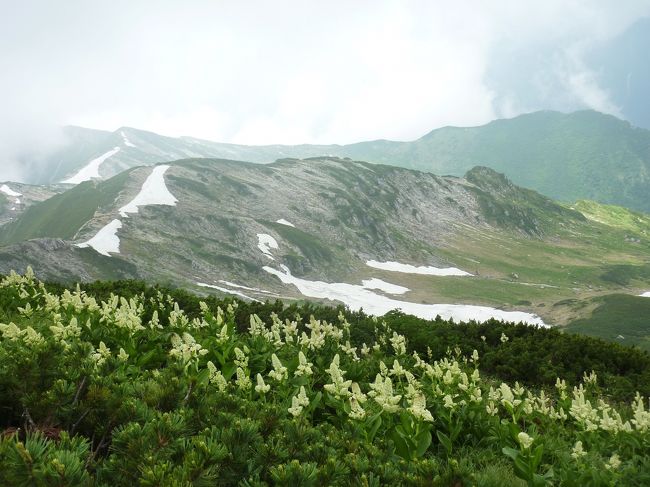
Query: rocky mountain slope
(368,235)
(582,155)
(94,154)
(15,198)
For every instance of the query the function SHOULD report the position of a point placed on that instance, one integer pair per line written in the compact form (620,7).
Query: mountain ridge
(566,156)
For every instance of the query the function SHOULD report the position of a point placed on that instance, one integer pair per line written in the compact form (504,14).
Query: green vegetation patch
(114,267)
(122,384)
(624,274)
(618,317)
(311,247)
(62,215)
(615,216)
(513,207)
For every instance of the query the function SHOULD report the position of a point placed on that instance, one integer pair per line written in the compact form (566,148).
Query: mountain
(94,154)
(581,155)
(15,198)
(372,236)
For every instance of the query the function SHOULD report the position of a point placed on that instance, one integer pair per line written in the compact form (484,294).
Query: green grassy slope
(618,317)
(64,214)
(615,216)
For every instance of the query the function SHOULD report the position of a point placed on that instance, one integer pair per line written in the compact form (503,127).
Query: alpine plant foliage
(134,390)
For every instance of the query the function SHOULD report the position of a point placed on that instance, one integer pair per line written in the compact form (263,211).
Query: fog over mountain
(308,72)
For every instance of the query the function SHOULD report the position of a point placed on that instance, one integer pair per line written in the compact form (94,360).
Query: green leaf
(203,377)
(316,401)
(144,359)
(407,423)
(228,371)
(523,468)
(423,441)
(537,457)
(401,445)
(511,452)
(453,433)
(444,440)
(375,423)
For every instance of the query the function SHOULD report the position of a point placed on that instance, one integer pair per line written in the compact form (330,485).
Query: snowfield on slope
(411,269)
(9,192)
(126,141)
(384,286)
(106,240)
(645,295)
(265,243)
(239,286)
(227,291)
(154,192)
(357,297)
(282,221)
(91,170)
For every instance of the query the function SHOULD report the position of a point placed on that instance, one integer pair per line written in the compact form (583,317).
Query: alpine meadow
(324,244)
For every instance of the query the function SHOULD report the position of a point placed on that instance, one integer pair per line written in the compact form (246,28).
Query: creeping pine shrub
(134,389)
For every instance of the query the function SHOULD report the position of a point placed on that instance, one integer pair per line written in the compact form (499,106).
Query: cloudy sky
(259,72)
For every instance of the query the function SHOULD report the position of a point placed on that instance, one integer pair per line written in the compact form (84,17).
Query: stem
(189,392)
(74,426)
(81,386)
(28,417)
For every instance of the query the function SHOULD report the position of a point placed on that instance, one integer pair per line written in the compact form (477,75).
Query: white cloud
(584,85)
(289,72)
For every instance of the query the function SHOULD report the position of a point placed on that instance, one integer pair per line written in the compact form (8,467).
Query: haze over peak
(568,156)
(313,73)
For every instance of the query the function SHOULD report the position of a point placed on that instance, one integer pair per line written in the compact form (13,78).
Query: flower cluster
(185,348)
(312,370)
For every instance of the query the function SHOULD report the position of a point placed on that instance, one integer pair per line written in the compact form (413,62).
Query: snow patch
(227,291)
(265,243)
(91,170)
(8,191)
(285,222)
(106,240)
(645,295)
(411,269)
(153,192)
(232,284)
(17,202)
(357,297)
(125,139)
(387,287)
